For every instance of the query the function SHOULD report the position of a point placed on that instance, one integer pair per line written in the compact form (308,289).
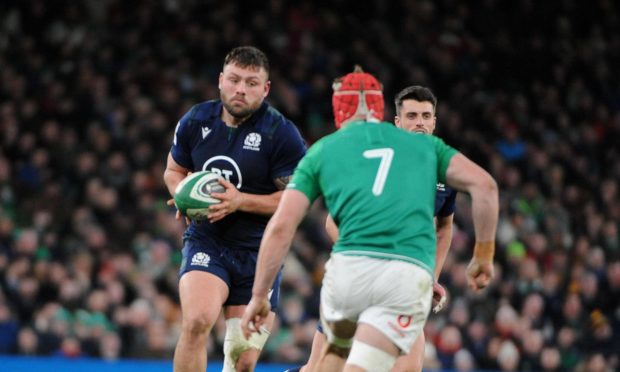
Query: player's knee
(197,325)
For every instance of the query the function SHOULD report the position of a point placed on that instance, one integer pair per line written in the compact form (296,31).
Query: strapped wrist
(484,251)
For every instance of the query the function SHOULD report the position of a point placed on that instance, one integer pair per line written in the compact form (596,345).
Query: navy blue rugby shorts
(236,267)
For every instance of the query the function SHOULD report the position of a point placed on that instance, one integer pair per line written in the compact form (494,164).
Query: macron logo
(205,132)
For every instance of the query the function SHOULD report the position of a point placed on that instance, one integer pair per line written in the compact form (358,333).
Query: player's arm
(265,204)
(444,239)
(273,248)
(467,176)
(234,200)
(174,174)
(443,231)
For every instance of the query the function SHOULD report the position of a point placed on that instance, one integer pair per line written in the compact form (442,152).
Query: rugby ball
(193,195)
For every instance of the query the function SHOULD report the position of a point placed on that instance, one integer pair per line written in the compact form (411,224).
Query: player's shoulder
(201,113)
(206,110)
(272,121)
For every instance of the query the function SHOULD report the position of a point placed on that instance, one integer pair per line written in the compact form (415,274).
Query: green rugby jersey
(379,185)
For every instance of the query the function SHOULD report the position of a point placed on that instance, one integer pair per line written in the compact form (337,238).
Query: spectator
(550,359)
(110,347)
(27,342)
(508,356)
(8,330)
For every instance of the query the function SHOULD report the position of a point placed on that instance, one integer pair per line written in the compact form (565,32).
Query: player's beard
(239,112)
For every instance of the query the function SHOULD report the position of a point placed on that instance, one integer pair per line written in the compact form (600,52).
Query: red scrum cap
(357,93)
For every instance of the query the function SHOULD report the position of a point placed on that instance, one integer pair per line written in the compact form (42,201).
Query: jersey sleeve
(444,154)
(289,147)
(181,150)
(306,176)
(449,204)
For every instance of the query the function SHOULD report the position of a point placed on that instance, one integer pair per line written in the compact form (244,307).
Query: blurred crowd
(91,90)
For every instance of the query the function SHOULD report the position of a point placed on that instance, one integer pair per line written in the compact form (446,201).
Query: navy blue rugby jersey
(263,148)
(445,200)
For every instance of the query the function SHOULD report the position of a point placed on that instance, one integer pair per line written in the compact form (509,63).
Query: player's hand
(178,215)
(254,316)
(479,273)
(440,297)
(231,201)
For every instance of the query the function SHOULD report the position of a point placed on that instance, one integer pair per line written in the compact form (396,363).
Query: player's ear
(397,121)
(220,80)
(267,88)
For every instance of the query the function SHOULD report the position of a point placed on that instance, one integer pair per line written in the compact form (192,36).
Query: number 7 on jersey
(386,154)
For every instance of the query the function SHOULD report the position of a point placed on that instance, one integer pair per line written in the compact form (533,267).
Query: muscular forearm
(273,249)
(465,175)
(277,239)
(485,209)
(260,204)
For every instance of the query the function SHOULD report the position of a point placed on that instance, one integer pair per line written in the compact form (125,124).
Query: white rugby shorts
(393,296)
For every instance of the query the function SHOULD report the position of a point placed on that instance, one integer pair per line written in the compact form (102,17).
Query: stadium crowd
(89,94)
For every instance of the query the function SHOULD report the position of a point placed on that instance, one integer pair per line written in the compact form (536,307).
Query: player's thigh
(203,283)
(202,295)
(370,335)
(413,361)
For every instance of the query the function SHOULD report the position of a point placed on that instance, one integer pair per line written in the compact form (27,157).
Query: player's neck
(232,121)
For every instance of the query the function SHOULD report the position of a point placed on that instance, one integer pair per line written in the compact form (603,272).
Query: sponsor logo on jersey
(441,187)
(252,142)
(201,259)
(226,167)
(205,132)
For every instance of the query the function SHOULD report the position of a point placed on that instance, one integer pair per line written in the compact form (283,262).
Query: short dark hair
(415,92)
(247,56)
